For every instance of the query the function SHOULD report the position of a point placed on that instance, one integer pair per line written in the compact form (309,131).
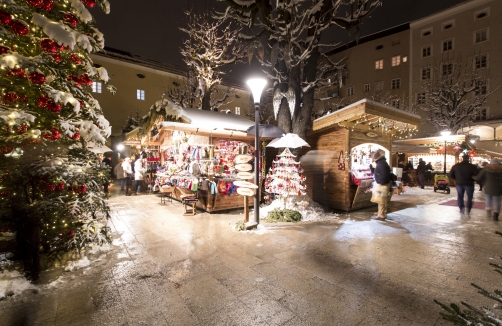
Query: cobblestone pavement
(168,269)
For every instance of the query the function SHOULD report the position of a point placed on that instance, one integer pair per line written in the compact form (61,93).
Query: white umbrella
(289,141)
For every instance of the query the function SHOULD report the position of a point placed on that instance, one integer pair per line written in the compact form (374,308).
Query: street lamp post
(257,85)
(445,134)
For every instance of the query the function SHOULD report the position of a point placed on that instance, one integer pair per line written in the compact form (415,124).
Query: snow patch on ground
(313,212)
(73,265)
(14,283)
(7,236)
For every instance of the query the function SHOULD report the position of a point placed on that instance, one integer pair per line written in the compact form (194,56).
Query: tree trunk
(206,100)
(28,241)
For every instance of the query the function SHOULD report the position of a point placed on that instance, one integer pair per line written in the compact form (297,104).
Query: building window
(366,87)
(481,61)
(426,51)
(481,35)
(421,98)
(379,86)
(483,13)
(481,115)
(394,103)
(379,64)
(482,89)
(237,110)
(140,94)
(427,32)
(396,42)
(396,61)
(405,59)
(395,83)
(447,69)
(350,90)
(96,87)
(448,25)
(426,73)
(447,45)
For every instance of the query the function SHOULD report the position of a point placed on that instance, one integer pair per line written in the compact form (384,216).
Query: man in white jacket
(120,174)
(126,166)
(138,174)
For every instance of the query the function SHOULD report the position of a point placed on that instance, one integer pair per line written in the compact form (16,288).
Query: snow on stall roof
(215,120)
(365,100)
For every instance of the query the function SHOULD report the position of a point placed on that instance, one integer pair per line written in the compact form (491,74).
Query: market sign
(245,184)
(244,167)
(245,175)
(245,192)
(239,159)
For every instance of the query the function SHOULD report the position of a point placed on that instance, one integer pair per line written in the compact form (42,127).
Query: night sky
(150,28)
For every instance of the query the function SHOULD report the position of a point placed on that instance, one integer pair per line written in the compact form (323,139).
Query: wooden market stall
(337,167)
(196,156)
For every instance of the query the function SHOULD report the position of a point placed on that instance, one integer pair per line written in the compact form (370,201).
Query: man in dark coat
(421,169)
(462,173)
(108,161)
(381,190)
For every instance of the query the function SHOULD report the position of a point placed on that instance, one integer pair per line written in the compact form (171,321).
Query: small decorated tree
(285,178)
(50,183)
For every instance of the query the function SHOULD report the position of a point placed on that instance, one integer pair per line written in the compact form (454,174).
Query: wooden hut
(337,165)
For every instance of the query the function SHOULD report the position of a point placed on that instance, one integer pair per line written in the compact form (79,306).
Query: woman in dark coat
(491,178)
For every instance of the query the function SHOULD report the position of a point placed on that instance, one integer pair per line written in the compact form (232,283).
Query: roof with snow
(215,120)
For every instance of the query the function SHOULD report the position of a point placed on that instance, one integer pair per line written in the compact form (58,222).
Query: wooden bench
(165,194)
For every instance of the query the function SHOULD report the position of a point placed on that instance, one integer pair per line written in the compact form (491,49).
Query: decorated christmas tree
(285,179)
(50,183)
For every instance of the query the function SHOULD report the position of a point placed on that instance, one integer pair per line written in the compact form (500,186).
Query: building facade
(388,66)
(140,83)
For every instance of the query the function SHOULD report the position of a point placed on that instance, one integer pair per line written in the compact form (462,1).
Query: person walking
(381,189)
(462,173)
(120,174)
(139,169)
(421,170)
(480,168)
(126,166)
(107,161)
(428,174)
(491,177)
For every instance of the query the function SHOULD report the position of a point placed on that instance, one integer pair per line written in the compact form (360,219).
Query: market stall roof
(370,115)
(207,130)
(412,149)
(216,120)
(432,140)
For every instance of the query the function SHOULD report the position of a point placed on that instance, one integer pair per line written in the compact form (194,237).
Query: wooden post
(246,209)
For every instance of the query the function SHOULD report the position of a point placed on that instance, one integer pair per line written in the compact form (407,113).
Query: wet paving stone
(164,268)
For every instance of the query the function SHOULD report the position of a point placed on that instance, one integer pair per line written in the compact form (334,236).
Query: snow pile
(56,31)
(95,249)
(13,283)
(73,265)
(81,11)
(311,212)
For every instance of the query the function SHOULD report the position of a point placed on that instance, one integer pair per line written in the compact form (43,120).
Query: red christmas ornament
(19,27)
(75,79)
(70,19)
(37,78)
(42,100)
(76,136)
(83,188)
(52,134)
(21,129)
(48,45)
(57,57)
(5,18)
(6,149)
(89,3)
(85,79)
(74,57)
(11,97)
(47,186)
(53,107)
(46,5)
(21,73)
(60,186)
(4,49)
(4,193)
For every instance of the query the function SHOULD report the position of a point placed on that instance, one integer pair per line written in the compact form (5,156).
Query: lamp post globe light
(445,134)
(257,85)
